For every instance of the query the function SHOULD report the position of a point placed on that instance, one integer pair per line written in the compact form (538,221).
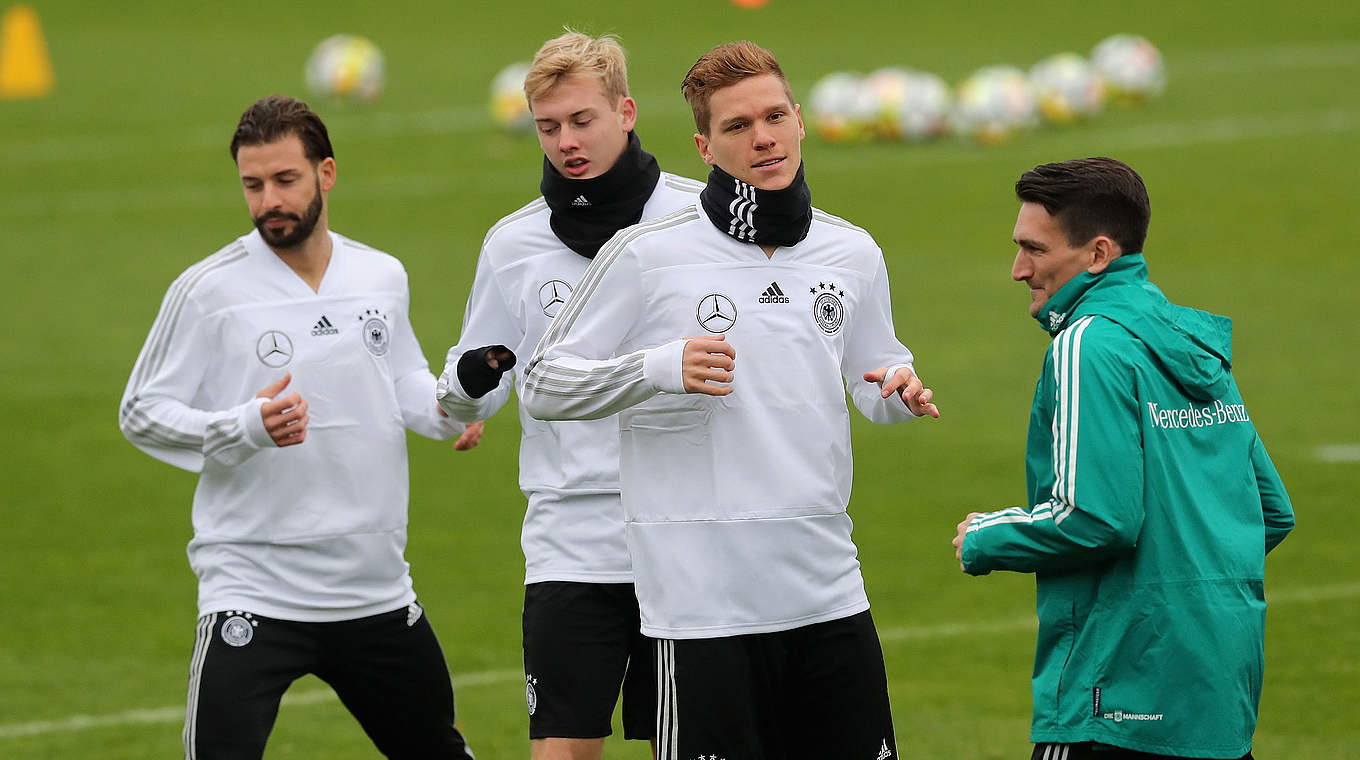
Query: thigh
(578,639)
(719,698)
(639,686)
(389,671)
(241,666)
(838,691)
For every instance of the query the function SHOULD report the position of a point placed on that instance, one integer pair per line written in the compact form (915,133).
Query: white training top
(313,532)
(569,471)
(735,506)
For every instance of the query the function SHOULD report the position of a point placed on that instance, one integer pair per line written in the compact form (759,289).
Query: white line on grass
(176,714)
(1339,452)
(455,119)
(480,678)
(1286,57)
(1332,120)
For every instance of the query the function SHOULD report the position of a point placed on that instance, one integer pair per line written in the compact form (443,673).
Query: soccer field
(121,179)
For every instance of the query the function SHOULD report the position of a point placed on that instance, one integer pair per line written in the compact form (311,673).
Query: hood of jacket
(1195,347)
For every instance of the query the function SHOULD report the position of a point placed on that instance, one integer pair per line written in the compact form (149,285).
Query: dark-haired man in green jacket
(1153,500)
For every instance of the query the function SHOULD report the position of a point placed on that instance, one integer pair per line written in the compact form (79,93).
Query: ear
(1103,251)
(798,111)
(628,114)
(702,144)
(326,173)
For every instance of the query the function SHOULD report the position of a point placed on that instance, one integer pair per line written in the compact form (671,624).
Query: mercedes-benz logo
(552,295)
(274,348)
(716,313)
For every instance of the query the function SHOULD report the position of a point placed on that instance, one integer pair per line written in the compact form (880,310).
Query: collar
(587,212)
(1057,311)
(751,215)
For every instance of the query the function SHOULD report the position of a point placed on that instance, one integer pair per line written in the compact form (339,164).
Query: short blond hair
(577,53)
(724,66)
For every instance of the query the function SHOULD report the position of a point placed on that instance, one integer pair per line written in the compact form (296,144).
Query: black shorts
(1085,751)
(388,670)
(819,691)
(581,643)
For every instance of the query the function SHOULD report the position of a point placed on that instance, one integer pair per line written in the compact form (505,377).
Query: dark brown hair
(272,118)
(724,66)
(1089,197)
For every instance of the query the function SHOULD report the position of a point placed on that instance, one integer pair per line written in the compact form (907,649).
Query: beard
(302,225)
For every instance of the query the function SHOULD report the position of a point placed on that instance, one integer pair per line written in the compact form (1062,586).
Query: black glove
(476,373)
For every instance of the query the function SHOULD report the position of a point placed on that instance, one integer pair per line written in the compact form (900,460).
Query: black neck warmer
(587,212)
(764,217)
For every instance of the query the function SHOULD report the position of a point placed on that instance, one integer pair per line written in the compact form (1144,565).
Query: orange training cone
(25,69)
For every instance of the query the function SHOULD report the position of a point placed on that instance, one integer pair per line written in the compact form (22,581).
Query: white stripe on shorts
(206,624)
(667,711)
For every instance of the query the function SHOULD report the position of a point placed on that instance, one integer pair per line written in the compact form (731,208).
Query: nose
(761,137)
(567,139)
(273,197)
(1021,268)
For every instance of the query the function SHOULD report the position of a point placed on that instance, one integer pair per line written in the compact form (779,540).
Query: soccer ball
(509,108)
(1067,88)
(1131,66)
(347,67)
(840,105)
(885,92)
(924,111)
(993,104)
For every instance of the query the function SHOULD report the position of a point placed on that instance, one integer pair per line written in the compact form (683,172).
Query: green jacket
(1154,504)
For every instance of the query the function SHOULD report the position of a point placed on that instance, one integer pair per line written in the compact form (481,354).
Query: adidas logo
(773,294)
(884,753)
(323,326)
(580,201)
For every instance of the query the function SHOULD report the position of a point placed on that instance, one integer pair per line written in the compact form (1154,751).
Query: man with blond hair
(582,641)
(736,480)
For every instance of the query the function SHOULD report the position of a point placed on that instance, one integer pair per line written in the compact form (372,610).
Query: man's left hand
(470,437)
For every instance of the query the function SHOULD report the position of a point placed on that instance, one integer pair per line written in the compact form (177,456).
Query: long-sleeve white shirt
(568,471)
(315,531)
(735,506)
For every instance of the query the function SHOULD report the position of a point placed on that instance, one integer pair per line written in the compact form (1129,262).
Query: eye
(583,124)
(777,116)
(547,129)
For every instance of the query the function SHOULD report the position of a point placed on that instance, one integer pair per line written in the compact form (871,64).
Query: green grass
(121,179)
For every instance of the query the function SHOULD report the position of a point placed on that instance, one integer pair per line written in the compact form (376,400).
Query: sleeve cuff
(892,370)
(662,366)
(252,422)
(972,563)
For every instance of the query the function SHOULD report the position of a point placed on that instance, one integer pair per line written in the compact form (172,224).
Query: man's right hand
(285,418)
(480,369)
(706,363)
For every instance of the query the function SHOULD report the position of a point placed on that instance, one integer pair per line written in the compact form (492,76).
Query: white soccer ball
(839,104)
(1067,88)
(347,67)
(885,91)
(924,112)
(509,108)
(1132,68)
(993,104)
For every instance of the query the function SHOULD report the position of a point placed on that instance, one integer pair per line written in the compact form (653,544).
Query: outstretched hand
(470,437)
(904,381)
(706,363)
(285,419)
